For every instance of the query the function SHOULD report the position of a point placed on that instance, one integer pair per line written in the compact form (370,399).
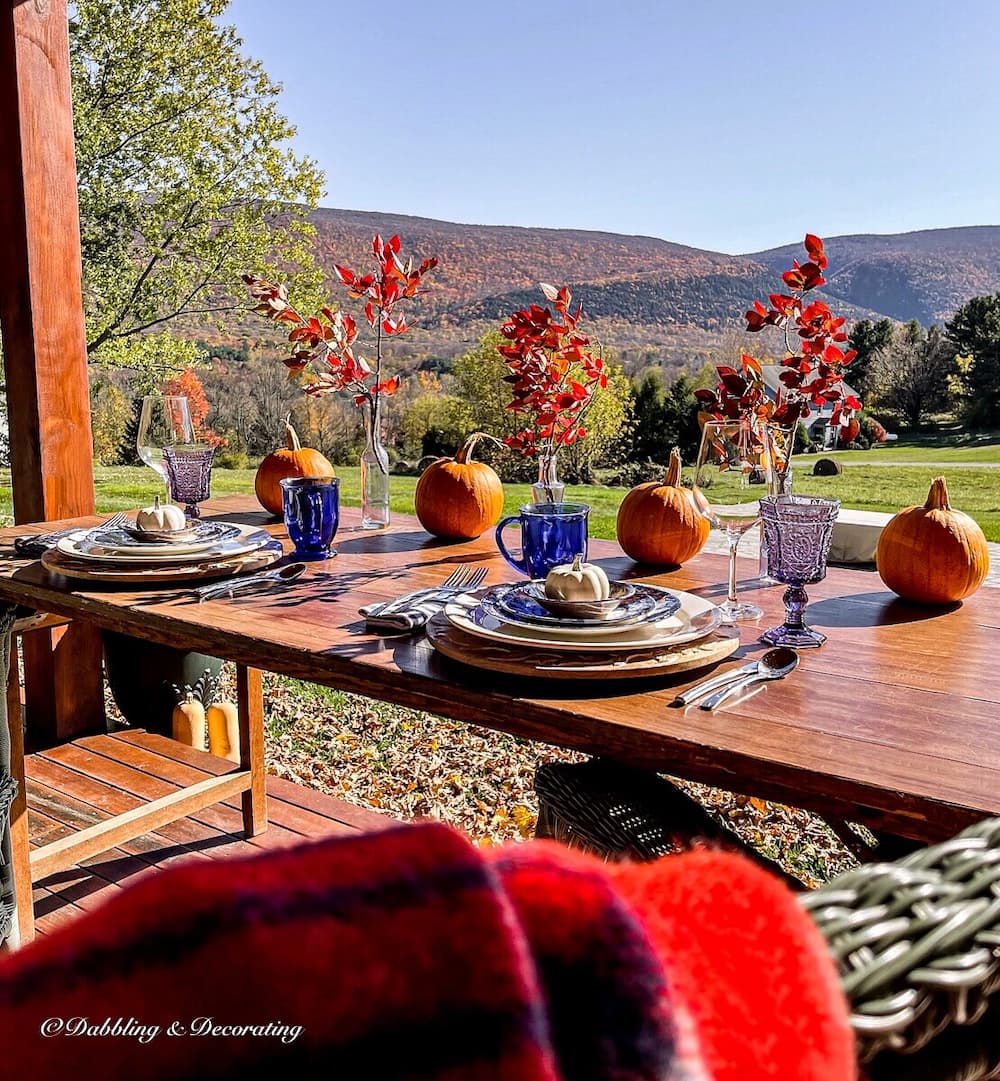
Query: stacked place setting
(160,544)
(569,621)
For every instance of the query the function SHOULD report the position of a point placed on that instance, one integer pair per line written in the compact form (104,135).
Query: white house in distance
(818,420)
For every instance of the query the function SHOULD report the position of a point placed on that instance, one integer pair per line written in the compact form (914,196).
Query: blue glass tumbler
(551,534)
(312,514)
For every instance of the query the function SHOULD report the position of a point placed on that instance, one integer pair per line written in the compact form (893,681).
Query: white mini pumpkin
(577,581)
(160,517)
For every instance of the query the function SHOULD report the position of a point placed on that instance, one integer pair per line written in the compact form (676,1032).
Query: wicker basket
(617,812)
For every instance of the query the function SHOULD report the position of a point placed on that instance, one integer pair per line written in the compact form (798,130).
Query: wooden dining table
(894,723)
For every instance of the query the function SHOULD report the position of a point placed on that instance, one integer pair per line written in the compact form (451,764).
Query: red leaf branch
(815,357)
(324,355)
(554,374)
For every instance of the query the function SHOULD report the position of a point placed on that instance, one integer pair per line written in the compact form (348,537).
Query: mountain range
(652,299)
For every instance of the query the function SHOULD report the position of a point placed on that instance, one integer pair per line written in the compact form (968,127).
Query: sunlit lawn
(880,488)
(912,453)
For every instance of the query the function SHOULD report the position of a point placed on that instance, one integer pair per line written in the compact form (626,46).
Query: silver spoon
(775,664)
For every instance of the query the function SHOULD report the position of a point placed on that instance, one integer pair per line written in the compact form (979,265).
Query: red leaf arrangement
(324,356)
(815,355)
(554,373)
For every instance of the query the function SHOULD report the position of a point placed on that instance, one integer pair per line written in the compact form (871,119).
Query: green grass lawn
(976,491)
(944,445)
(912,452)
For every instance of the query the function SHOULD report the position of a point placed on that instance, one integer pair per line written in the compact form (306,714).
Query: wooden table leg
(20,848)
(250,704)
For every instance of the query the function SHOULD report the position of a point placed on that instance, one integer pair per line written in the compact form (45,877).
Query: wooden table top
(894,722)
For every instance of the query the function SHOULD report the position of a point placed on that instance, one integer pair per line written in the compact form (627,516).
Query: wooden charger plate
(58,563)
(576,664)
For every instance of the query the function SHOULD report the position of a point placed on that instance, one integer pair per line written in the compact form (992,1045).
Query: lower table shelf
(98,787)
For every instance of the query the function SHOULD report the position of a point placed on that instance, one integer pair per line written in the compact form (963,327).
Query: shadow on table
(414,540)
(877,609)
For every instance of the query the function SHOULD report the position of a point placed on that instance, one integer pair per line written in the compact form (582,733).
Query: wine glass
(728,458)
(164,424)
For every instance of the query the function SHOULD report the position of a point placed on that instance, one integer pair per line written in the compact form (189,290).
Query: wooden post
(250,704)
(44,342)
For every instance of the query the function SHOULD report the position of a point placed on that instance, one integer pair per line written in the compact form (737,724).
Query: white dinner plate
(695,619)
(248,539)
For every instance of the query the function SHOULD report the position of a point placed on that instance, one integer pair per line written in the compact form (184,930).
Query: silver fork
(460,580)
(92,534)
(113,522)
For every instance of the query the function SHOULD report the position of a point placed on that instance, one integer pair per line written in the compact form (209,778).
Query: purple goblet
(189,476)
(798,531)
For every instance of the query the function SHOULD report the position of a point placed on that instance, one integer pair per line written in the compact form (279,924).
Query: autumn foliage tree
(188,385)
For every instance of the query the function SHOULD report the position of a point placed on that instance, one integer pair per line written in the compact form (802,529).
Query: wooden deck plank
(293,816)
(78,785)
(311,799)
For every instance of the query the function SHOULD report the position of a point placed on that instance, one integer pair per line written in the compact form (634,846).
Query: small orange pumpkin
(188,722)
(933,554)
(849,432)
(292,460)
(658,522)
(458,498)
(223,722)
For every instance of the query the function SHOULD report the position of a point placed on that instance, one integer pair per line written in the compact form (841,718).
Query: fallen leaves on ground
(408,764)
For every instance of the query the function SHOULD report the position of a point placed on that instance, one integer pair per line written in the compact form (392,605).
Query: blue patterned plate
(518,604)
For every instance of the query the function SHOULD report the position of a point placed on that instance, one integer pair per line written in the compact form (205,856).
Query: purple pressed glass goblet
(798,531)
(189,476)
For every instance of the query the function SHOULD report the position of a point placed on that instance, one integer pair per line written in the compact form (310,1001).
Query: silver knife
(699,690)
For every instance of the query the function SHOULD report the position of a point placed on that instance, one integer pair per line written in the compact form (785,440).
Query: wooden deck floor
(75,785)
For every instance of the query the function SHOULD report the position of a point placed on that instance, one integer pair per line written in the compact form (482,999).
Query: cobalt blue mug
(312,514)
(551,534)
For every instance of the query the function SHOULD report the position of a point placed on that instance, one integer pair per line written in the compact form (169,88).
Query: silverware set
(775,664)
(251,583)
(461,580)
(36,543)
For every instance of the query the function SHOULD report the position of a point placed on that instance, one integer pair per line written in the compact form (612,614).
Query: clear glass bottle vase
(779,443)
(548,488)
(374,470)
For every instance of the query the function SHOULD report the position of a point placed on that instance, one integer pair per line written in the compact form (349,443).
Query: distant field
(908,452)
(880,488)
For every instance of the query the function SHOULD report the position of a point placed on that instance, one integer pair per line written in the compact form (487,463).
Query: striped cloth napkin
(409,613)
(34,545)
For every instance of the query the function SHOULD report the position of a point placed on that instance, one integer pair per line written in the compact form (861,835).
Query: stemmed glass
(729,455)
(799,530)
(166,443)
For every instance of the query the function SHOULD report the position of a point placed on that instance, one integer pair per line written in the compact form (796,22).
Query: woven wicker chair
(917,941)
(617,812)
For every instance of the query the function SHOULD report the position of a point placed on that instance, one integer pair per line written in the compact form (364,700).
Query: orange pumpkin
(293,460)
(188,722)
(458,498)
(223,722)
(933,554)
(849,432)
(658,522)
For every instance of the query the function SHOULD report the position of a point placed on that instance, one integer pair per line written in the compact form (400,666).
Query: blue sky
(723,124)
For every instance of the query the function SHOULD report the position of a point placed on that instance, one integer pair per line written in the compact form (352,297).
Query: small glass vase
(548,488)
(374,470)
(776,459)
